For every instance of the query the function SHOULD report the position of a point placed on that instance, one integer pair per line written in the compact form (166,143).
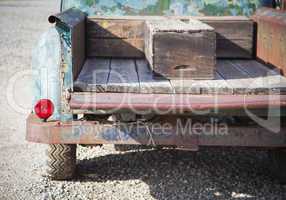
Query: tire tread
(61,161)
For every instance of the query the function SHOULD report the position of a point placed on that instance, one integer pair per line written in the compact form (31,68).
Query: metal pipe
(172,102)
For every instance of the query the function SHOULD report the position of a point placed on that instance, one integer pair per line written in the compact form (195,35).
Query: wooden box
(179,50)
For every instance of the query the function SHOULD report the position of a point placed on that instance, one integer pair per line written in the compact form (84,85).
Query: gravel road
(102,172)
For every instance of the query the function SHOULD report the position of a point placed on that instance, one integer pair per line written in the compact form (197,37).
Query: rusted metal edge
(70,17)
(184,135)
(172,102)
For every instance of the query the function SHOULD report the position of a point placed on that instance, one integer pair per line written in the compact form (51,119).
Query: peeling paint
(50,58)
(66,81)
(46,61)
(165,7)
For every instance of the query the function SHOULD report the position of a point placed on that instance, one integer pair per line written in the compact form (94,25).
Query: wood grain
(78,47)
(235,37)
(123,76)
(116,48)
(94,75)
(179,50)
(147,82)
(115,38)
(99,28)
(216,86)
(235,34)
(135,76)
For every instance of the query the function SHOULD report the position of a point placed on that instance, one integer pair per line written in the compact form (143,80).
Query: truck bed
(106,75)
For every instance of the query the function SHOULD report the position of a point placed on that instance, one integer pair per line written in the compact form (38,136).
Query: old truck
(161,73)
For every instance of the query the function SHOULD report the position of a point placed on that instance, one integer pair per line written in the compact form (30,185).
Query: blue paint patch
(165,7)
(52,51)
(46,62)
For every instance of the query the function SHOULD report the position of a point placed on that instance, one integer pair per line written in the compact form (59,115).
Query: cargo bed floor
(134,76)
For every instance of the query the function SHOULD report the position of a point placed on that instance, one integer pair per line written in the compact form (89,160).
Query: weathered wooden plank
(123,76)
(247,78)
(234,33)
(272,84)
(180,50)
(235,78)
(147,82)
(216,86)
(232,29)
(115,38)
(116,28)
(232,77)
(234,48)
(117,48)
(264,80)
(94,75)
(78,48)
(184,86)
(254,68)
(235,37)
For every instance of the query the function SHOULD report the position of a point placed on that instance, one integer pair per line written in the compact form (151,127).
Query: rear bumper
(165,132)
(170,103)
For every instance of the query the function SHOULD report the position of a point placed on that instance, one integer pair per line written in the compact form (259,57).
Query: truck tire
(278,164)
(61,163)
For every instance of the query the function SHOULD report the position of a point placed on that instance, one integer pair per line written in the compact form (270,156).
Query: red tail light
(44,108)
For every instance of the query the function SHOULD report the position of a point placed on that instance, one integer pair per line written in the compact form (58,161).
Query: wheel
(278,164)
(61,163)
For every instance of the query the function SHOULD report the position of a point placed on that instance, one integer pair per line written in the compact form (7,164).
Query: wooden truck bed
(128,86)
(234,76)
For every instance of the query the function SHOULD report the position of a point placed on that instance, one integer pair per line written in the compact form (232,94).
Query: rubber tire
(278,164)
(61,163)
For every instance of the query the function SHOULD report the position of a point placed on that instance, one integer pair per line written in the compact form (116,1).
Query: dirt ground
(102,172)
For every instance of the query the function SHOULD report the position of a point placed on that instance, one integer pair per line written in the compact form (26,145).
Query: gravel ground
(102,172)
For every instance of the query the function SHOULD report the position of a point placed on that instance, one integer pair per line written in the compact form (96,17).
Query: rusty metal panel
(94,132)
(271,37)
(71,28)
(166,131)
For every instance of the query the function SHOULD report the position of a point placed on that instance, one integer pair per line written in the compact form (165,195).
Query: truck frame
(94,99)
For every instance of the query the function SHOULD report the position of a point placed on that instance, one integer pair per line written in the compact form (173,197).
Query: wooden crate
(178,50)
